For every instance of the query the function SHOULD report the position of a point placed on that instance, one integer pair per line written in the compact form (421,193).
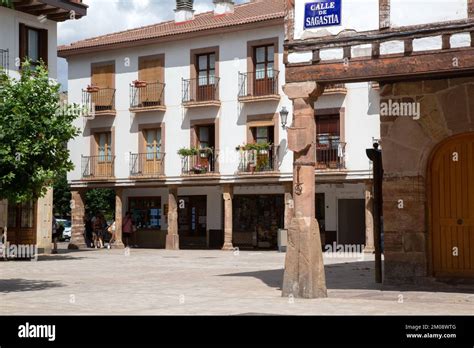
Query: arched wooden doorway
(451,202)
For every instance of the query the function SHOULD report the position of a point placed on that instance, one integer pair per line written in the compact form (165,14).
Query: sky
(108,16)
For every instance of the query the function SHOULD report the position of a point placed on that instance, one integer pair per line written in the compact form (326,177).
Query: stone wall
(447,108)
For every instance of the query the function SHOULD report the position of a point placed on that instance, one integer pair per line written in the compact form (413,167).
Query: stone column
(172,238)
(369,218)
(118,244)
(77,220)
(289,205)
(228,195)
(304,268)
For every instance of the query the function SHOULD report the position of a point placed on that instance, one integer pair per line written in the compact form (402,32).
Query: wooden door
(153,158)
(21,223)
(102,164)
(206,72)
(451,184)
(103,76)
(151,71)
(351,221)
(264,79)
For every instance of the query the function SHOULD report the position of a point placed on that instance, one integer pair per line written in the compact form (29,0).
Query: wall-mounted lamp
(284,117)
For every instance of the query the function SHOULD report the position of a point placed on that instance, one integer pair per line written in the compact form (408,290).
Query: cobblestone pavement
(160,282)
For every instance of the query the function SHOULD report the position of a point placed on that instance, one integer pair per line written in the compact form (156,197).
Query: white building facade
(186,122)
(29,30)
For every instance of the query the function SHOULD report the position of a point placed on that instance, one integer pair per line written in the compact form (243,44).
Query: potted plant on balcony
(140,84)
(188,152)
(92,89)
(199,169)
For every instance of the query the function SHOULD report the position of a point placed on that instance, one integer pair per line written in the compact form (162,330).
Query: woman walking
(127,229)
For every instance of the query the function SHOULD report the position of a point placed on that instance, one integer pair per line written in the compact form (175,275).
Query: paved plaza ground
(188,282)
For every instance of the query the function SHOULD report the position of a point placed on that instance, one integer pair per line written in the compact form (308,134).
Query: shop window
(146,212)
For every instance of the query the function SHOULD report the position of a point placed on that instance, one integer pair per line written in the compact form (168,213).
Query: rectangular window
(153,143)
(262,135)
(328,130)
(206,69)
(146,212)
(104,146)
(33,44)
(264,62)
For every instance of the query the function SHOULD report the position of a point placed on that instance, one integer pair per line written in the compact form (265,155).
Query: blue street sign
(322,13)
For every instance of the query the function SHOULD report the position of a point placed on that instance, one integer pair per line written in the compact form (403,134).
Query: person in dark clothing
(88,231)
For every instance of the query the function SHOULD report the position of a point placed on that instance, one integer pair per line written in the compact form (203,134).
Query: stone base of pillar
(304,267)
(118,245)
(369,250)
(228,247)
(172,242)
(76,246)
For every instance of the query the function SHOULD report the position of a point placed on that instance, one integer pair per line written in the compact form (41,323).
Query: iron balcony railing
(257,161)
(101,166)
(99,99)
(147,95)
(147,164)
(201,89)
(258,84)
(330,152)
(4,59)
(203,163)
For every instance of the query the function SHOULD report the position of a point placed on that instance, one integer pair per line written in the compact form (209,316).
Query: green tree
(34,127)
(6,3)
(62,196)
(101,200)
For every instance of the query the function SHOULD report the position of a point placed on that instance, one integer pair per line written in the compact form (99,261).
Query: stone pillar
(228,195)
(289,205)
(304,268)
(172,238)
(369,218)
(77,219)
(44,222)
(118,244)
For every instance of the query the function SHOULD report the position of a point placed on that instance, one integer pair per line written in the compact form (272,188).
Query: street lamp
(284,117)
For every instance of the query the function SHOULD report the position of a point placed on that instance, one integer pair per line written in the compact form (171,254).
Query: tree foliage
(34,128)
(101,201)
(61,196)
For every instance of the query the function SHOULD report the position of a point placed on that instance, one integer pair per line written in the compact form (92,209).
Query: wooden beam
(389,68)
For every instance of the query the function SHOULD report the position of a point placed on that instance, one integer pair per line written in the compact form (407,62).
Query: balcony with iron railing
(4,59)
(99,101)
(147,165)
(258,161)
(201,92)
(204,163)
(259,86)
(147,96)
(97,167)
(330,153)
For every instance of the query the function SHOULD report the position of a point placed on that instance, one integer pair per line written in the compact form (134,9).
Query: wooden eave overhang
(55,10)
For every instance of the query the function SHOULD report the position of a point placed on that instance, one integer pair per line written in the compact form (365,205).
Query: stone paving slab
(160,282)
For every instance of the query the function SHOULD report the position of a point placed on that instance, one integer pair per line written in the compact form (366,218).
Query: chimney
(184,11)
(222,7)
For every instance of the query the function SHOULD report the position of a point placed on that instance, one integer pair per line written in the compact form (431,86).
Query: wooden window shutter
(103,75)
(43,45)
(23,42)
(150,69)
